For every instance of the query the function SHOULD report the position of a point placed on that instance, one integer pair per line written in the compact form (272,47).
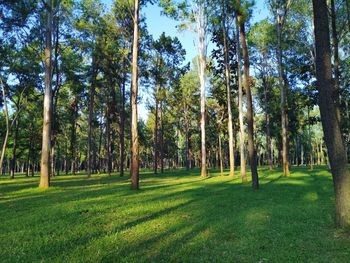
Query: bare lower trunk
(187,147)
(122,128)
(46,138)
(161,139)
(240,110)
(134,171)
(228,91)
(331,127)
(155,149)
(4,145)
(250,117)
(220,157)
(202,48)
(284,114)
(267,119)
(90,162)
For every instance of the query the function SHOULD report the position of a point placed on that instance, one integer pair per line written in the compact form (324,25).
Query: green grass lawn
(175,217)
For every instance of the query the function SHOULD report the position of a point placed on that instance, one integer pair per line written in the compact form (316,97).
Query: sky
(157,24)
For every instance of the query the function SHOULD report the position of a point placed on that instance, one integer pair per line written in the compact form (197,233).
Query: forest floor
(175,217)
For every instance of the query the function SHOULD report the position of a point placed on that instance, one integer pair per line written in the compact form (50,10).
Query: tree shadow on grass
(212,220)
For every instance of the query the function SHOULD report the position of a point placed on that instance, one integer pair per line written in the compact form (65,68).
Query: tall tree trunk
(187,146)
(250,117)
(14,149)
(220,156)
(331,127)
(46,138)
(336,59)
(73,137)
(108,141)
(90,162)
(161,139)
(228,91)
(134,90)
(267,119)
(122,129)
(310,140)
(4,145)
(201,32)
(156,152)
(284,114)
(240,110)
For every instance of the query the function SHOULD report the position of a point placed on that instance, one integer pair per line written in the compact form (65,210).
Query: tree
(330,122)
(134,170)
(46,140)
(241,19)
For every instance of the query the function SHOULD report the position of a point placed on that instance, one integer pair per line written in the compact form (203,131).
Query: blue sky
(157,24)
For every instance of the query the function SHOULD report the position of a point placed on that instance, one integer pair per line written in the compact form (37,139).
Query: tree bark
(161,139)
(7,126)
(134,171)
(250,118)
(201,32)
(331,127)
(90,161)
(336,59)
(46,138)
(228,91)
(240,110)
(284,114)
(14,149)
(122,129)
(156,119)
(267,119)
(220,156)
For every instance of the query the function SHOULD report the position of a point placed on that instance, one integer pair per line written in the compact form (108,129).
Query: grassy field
(175,217)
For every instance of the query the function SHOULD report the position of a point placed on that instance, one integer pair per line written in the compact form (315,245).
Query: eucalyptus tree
(194,16)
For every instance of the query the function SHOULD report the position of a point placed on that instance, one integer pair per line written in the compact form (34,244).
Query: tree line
(257,96)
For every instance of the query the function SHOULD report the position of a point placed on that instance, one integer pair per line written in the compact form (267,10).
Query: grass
(175,217)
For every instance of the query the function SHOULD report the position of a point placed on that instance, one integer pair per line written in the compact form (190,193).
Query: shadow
(175,217)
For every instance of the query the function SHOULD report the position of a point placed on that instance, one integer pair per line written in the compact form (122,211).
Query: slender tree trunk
(310,139)
(187,146)
(90,166)
(267,119)
(14,149)
(156,152)
(73,138)
(122,129)
(134,171)
(331,127)
(201,31)
(7,126)
(228,91)
(161,138)
(336,59)
(220,157)
(46,138)
(284,114)
(250,118)
(240,110)
(108,141)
